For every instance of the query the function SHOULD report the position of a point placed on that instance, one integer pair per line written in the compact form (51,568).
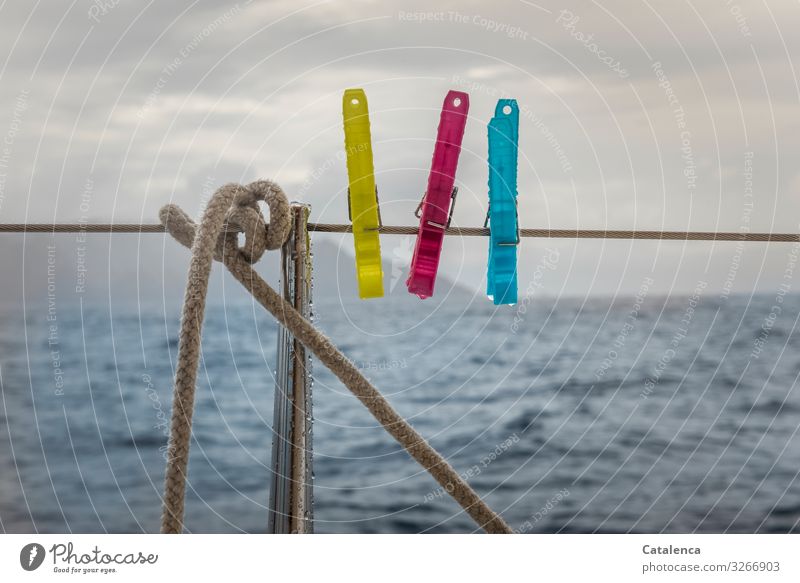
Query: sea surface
(637,414)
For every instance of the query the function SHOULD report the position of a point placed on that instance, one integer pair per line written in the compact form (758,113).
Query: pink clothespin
(439,200)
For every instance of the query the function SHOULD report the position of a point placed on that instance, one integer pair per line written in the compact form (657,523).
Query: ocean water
(572,415)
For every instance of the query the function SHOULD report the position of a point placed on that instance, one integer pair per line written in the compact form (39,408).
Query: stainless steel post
(291,488)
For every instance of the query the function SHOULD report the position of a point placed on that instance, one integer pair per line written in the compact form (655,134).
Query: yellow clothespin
(362,196)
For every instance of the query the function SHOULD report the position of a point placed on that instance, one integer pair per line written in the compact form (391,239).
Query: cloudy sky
(652,115)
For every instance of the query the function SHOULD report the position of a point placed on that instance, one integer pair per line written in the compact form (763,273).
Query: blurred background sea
(639,413)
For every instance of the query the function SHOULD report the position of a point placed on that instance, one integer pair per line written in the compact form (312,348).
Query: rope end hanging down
(236,206)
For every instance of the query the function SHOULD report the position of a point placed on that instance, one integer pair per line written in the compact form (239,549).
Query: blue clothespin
(502,216)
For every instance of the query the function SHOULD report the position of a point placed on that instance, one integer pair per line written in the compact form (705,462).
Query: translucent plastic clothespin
(362,195)
(502,215)
(436,208)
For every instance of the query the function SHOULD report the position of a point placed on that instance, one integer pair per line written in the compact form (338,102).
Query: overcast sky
(634,115)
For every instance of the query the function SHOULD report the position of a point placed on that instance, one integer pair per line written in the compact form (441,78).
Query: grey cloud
(248,98)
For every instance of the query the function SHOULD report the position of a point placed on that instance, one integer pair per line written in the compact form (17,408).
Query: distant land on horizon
(129,268)
(147,270)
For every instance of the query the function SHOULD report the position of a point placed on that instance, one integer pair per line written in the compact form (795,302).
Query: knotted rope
(237,207)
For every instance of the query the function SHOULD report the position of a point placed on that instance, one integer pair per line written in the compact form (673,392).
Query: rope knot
(234,209)
(238,207)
